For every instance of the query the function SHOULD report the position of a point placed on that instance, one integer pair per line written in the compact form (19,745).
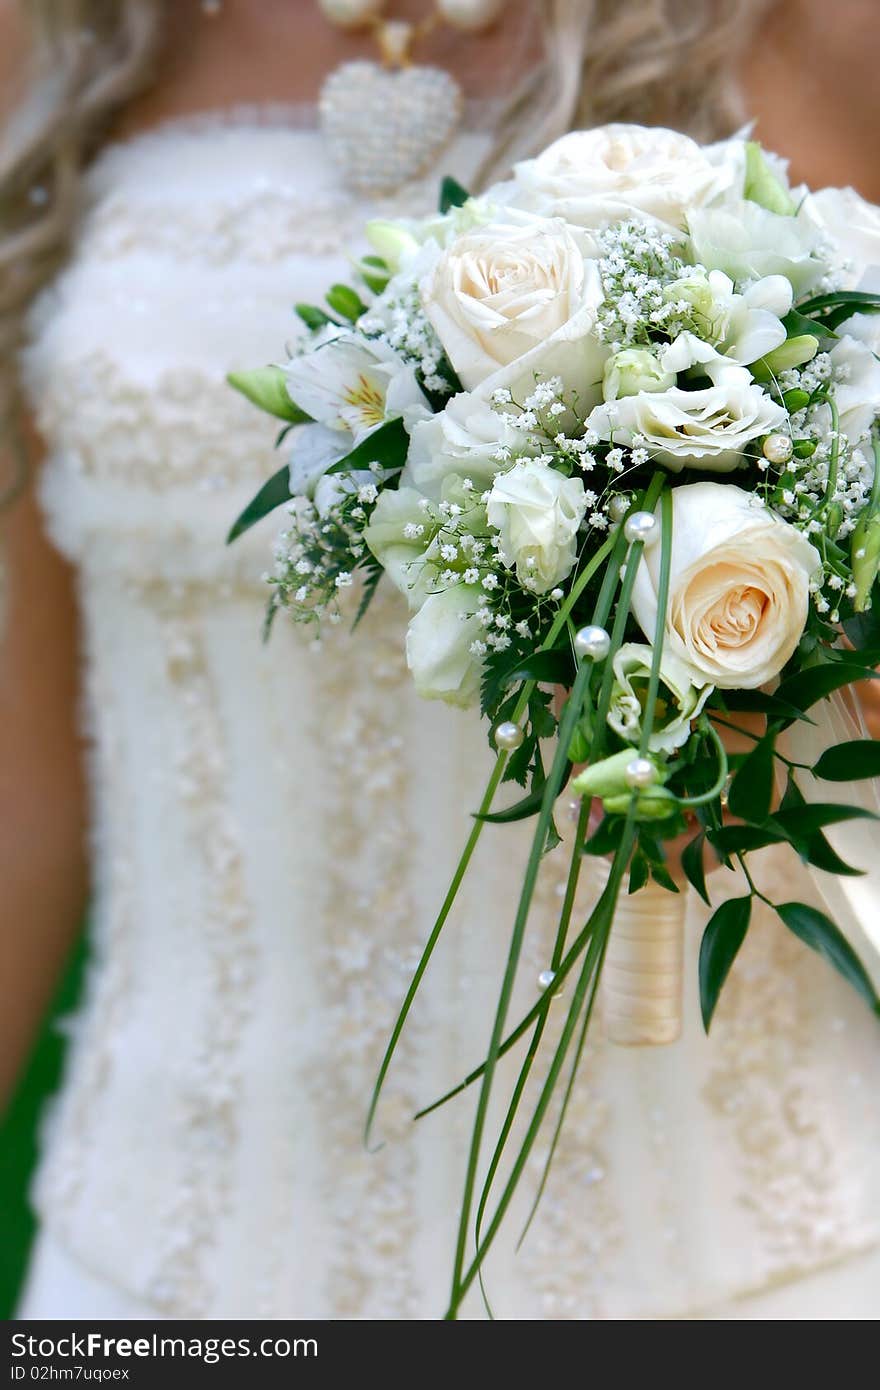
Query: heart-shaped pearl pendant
(384,127)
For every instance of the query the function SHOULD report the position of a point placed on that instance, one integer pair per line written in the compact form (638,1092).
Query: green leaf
(757,702)
(452,195)
(751,790)
(660,874)
(818,932)
(847,762)
(523,809)
(313,317)
(724,934)
(693,867)
(815,682)
(638,873)
(343,300)
(553,667)
(859,301)
(371,584)
(816,850)
(863,629)
(742,839)
(266,387)
(796,324)
(793,795)
(796,822)
(271,495)
(386,445)
(606,837)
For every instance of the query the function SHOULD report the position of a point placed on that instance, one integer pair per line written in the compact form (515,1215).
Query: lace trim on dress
(370,1196)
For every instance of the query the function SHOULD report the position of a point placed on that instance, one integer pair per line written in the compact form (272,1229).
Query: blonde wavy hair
(660,62)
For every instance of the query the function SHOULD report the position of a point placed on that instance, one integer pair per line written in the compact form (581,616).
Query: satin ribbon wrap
(853,903)
(643,975)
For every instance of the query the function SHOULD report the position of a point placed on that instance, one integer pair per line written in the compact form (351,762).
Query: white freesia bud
(537,511)
(633,370)
(392,242)
(738,591)
(680,699)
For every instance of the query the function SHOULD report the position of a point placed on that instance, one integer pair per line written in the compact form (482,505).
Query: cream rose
(503,292)
(739,587)
(538,512)
(595,177)
(707,429)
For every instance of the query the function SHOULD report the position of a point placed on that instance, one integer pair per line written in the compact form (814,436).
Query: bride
(272,828)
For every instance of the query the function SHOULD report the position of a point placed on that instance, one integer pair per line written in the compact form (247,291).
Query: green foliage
(313,317)
(724,934)
(271,495)
(693,867)
(847,762)
(805,687)
(452,195)
(818,932)
(386,445)
(346,302)
(751,790)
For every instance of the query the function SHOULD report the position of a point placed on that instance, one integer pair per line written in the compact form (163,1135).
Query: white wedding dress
(274,830)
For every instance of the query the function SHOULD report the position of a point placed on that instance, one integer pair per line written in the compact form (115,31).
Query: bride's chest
(195,247)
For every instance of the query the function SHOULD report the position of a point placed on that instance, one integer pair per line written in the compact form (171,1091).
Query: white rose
(464,438)
(538,512)
(632,670)
(857,393)
(438,646)
(501,293)
(747,242)
(707,429)
(852,224)
(632,370)
(739,587)
(596,177)
(399,534)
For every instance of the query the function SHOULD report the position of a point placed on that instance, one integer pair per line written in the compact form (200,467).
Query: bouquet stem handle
(643,975)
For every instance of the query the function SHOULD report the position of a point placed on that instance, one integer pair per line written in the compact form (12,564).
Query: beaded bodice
(274,828)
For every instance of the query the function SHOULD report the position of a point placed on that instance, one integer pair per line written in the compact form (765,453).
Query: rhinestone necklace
(387,122)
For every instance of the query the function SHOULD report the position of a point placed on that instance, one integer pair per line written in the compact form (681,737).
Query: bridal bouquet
(611,430)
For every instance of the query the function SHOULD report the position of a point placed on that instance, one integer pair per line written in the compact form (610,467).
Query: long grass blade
(557,626)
